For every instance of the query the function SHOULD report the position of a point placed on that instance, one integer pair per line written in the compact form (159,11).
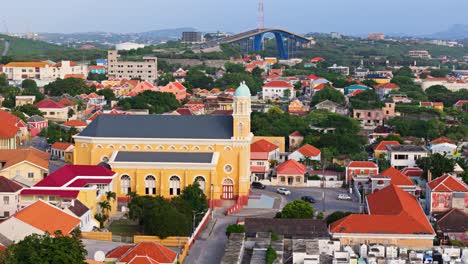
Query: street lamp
(193,223)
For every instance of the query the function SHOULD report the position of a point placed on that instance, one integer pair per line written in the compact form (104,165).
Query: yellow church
(161,154)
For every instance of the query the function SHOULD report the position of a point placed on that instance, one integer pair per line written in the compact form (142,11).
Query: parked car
(283,191)
(258,185)
(343,196)
(308,198)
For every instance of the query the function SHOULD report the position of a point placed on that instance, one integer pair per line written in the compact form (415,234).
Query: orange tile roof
(362,164)
(309,150)
(295,134)
(8,128)
(153,250)
(30,64)
(397,177)
(66,102)
(391,211)
(387,86)
(384,143)
(291,167)
(278,84)
(61,145)
(32,155)
(75,123)
(72,63)
(142,260)
(56,218)
(447,183)
(442,140)
(262,145)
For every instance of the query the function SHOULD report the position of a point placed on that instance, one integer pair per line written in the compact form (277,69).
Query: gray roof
(171,157)
(406,148)
(160,126)
(35,118)
(307,228)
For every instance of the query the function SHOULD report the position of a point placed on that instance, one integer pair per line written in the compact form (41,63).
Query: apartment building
(43,72)
(146,70)
(421,54)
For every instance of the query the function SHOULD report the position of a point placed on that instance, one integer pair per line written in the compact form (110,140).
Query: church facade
(161,154)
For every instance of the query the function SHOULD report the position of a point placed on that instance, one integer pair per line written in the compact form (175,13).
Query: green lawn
(125,227)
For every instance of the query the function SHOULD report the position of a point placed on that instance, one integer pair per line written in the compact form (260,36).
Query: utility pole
(261,15)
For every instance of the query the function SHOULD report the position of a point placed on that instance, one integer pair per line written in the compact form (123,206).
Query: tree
(257,72)
(234,228)
(287,93)
(298,209)
(29,84)
(366,100)
(198,79)
(29,109)
(3,80)
(436,163)
(328,93)
(97,77)
(111,195)
(335,216)
(404,71)
(45,249)
(155,102)
(165,78)
(71,86)
(234,67)
(107,93)
(195,197)
(369,82)
(70,113)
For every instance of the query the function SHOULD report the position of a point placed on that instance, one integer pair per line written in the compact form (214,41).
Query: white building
(128,46)
(451,84)
(52,110)
(443,146)
(339,69)
(402,156)
(306,152)
(277,89)
(43,72)
(9,197)
(146,70)
(422,54)
(81,211)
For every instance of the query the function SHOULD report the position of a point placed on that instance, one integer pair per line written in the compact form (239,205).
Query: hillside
(27,49)
(455,32)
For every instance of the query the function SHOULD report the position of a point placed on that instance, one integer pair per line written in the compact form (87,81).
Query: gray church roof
(170,157)
(160,126)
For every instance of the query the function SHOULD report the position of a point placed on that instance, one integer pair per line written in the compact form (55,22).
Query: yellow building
(161,154)
(26,166)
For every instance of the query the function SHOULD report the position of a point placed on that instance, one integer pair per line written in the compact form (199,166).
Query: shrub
(234,228)
(314,178)
(320,215)
(270,255)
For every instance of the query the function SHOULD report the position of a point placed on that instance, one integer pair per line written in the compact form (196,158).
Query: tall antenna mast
(261,16)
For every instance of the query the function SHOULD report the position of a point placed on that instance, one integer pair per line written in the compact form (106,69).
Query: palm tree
(105,206)
(111,195)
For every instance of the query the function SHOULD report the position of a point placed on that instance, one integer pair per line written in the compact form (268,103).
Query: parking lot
(326,199)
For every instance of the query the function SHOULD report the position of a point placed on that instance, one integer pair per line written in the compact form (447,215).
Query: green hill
(27,49)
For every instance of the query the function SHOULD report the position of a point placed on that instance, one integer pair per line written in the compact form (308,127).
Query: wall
(104,236)
(24,168)
(408,243)
(12,206)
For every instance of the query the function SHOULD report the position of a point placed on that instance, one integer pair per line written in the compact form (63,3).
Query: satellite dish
(99,256)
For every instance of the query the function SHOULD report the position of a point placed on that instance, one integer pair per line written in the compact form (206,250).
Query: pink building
(175,88)
(361,171)
(445,193)
(36,124)
(372,118)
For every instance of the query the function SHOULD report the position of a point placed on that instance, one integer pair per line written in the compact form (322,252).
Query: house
(10,135)
(97,69)
(380,149)
(355,87)
(327,105)
(393,217)
(174,151)
(76,124)
(36,124)
(24,100)
(196,106)
(58,149)
(81,211)
(306,154)
(445,193)
(176,88)
(180,75)
(361,171)
(9,197)
(372,118)
(295,140)
(141,87)
(443,146)
(87,183)
(42,72)
(25,166)
(277,89)
(452,225)
(384,89)
(262,152)
(52,110)
(92,100)
(400,98)
(462,105)
(401,156)
(31,220)
(316,60)
(433,105)
(298,108)
(290,173)
(394,177)
(143,252)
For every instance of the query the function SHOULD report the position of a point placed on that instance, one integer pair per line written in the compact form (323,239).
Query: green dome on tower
(242,91)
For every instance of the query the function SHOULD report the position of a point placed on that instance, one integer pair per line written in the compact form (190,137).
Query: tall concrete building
(192,37)
(146,70)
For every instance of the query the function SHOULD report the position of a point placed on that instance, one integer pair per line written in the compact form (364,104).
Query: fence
(104,236)
(328,184)
(168,241)
(199,228)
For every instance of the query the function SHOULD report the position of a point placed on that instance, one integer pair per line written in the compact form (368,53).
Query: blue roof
(242,91)
(355,87)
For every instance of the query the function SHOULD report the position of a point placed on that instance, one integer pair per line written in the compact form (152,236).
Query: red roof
(291,167)
(75,123)
(397,177)
(309,150)
(391,211)
(317,59)
(356,92)
(184,111)
(179,86)
(461,103)
(61,145)
(387,86)
(447,183)
(313,77)
(47,103)
(8,186)
(257,169)
(153,250)
(362,164)
(296,134)
(278,84)
(46,192)
(412,172)
(262,145)
(441,140)
(319,87)
(384,143)
(8,128)
(69,172)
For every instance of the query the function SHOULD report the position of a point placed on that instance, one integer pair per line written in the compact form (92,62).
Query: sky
(414,17)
